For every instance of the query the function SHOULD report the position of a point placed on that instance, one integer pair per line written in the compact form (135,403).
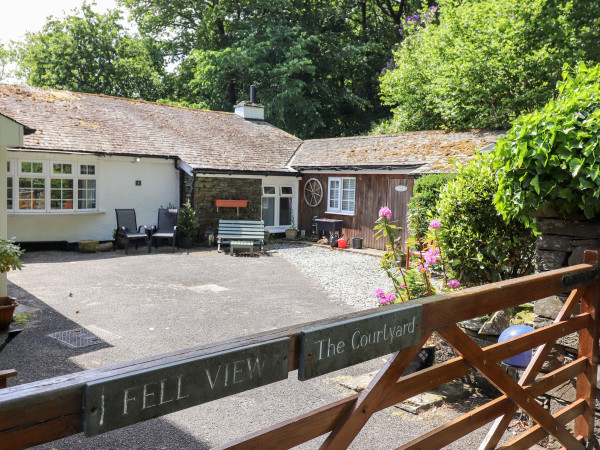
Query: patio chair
(166,228)
(127,228)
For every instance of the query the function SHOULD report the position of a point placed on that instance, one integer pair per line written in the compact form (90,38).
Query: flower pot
(185,241)
(7,309)
(291,233)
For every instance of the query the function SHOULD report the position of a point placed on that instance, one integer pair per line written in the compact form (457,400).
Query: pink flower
(388,299)
(385,212)
(403,285)
(430,257)
(435,224)
(453,284)
(379,293)
(423,268)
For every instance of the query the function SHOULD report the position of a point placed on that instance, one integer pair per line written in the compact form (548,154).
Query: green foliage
(423,203)
(5,58)
(551,158)
(486,61)
(187,223)
(9,256)
(316,64)
(91,52)
(478,244)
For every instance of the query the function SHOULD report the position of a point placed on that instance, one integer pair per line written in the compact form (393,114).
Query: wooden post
(588,347)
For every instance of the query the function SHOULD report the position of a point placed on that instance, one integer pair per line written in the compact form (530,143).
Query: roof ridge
(112,97)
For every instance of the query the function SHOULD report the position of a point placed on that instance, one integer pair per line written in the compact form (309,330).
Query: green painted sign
(333,347)
(120,401)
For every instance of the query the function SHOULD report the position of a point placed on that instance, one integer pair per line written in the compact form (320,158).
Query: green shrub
(9,256)
(551,158)
(480,246)
(423,203)
(187,224)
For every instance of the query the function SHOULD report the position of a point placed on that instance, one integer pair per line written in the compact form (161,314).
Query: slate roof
(76,122)
(421,151)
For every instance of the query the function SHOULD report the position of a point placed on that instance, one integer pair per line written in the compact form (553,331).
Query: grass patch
(21,317)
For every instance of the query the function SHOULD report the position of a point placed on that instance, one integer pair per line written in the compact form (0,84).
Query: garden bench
(241,234)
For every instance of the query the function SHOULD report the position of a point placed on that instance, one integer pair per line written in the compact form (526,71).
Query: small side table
(241,245)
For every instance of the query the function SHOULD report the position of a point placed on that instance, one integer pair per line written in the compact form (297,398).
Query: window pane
(9,193)
(61,168)
(31,167)
(87,169)
(268,211)
(87,194)
(348,188)
(269,190)
(286,190)
(31,193)
(334,194)
(8,166)
(61,194)
(285,209)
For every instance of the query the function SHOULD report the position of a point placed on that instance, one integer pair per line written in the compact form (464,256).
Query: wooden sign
(116,402)
(332,347)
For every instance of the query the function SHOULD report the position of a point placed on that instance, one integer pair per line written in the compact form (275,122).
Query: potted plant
(187,225)
(9,260)
(292,231)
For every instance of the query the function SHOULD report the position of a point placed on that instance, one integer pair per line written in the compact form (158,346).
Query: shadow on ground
(36,356)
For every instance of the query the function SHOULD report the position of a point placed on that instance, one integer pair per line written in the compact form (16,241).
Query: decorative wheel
(313,192)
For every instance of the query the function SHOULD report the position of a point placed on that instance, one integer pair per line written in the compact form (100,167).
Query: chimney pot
(253,94)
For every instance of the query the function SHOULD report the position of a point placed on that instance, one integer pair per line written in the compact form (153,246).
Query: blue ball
(522,359)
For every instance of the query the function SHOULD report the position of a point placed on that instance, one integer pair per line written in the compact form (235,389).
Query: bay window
(48,186)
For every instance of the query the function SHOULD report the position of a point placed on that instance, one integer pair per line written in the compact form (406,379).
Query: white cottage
(91,154)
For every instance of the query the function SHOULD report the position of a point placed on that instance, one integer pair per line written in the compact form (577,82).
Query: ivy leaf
(536,184)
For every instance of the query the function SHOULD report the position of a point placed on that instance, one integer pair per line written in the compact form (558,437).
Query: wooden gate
(43,411)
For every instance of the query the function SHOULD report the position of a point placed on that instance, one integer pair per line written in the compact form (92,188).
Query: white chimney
(251,110)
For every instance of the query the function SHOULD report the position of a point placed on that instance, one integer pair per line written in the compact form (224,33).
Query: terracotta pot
(291,233)
(7,309)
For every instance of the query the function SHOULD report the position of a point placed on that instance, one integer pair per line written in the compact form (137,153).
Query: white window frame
(86,177)
(14,170)
(9,174)
(21,174)
(339,209)
(277,195)
(62,176)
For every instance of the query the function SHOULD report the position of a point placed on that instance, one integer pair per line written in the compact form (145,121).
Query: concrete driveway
(153,304)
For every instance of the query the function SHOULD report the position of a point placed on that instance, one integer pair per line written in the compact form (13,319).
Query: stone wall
(561,244)
(206,190)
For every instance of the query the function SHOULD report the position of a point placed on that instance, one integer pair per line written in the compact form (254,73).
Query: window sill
(54,213)
(339,213)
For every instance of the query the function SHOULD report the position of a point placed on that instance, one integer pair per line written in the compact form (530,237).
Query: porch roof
(90,123)
(420,151)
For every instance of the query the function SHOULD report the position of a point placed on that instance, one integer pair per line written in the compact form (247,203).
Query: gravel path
(351,277)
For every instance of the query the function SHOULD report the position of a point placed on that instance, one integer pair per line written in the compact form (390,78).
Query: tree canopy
(481,63)
(92,53)
(316,63)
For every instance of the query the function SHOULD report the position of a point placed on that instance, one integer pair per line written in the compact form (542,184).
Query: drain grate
(84,337)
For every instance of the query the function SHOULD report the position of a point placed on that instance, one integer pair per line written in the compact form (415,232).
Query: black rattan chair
(166,228)
(127,228)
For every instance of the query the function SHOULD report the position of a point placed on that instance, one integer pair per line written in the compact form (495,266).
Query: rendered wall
(115,188)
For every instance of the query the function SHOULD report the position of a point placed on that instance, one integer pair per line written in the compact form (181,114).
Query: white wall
(11,133)
(115,188)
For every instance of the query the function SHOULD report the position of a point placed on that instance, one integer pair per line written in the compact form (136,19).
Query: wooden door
(399,193)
